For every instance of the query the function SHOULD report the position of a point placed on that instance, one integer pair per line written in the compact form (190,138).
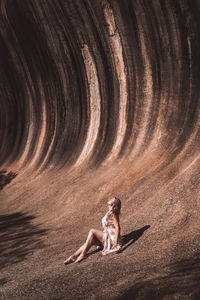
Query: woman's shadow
(127,239)
(130,238)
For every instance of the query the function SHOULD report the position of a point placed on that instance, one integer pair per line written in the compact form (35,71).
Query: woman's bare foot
(104,252)
(80,258)
(70,260)
(99,248)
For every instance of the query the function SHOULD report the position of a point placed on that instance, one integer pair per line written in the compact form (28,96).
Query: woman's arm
(117,227)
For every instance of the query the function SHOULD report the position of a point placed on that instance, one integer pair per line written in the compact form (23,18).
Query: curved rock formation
(101,98)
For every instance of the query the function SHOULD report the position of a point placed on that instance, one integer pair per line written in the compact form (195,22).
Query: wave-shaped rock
(84,82)
(101,98)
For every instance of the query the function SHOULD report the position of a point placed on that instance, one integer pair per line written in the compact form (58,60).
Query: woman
(109,239)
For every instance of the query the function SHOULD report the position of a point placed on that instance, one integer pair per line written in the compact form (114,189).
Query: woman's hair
(116,206)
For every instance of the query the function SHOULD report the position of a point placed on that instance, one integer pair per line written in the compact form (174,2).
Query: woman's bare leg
(74,255)
(79,250)
(95,237)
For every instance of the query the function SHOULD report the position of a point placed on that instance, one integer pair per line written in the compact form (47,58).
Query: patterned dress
(109,235)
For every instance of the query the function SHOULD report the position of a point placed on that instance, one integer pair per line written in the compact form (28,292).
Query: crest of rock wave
(99,99)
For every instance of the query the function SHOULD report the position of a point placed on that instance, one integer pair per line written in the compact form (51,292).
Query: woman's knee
(92,232)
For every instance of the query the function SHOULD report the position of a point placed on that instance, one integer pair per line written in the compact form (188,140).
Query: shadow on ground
(127,239)
(130,238)
(18,237)
(6,178)
(181,282)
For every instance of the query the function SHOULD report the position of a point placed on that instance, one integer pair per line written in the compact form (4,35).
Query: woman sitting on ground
(109,240)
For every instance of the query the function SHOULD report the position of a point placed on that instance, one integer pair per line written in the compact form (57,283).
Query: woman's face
(110,203)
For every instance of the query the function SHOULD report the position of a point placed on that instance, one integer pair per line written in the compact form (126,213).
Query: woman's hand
(114,246)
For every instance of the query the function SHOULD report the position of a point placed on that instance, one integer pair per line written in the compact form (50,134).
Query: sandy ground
(159,259)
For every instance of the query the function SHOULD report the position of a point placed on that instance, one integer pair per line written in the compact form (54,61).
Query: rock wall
(101,99)
(88,83)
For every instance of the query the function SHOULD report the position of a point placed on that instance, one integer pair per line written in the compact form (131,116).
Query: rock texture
(99,99)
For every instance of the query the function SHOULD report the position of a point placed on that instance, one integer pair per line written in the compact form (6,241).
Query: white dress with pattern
(109,232)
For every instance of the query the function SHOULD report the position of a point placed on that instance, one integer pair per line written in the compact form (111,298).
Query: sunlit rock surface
(99,99)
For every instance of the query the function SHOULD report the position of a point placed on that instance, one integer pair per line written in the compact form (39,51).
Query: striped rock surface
(99,99)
